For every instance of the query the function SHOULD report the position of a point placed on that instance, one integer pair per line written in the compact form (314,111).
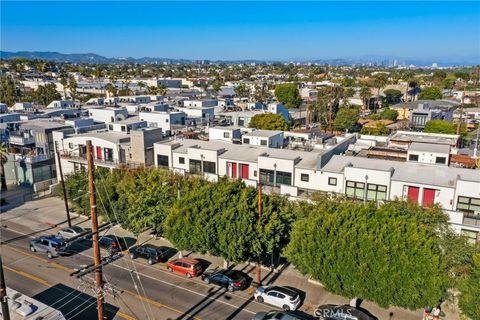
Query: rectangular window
(196,166)
(355,189)
(376,192)
(332,181)
(70,145)
(124,128)
(246,140)
(413,157)
(267,177)
(181,160)
(226,135)
(468,204)
(162,160)
(304,177)
(441,160)
(108,154)
(472,236)
(263,142)
(110,127)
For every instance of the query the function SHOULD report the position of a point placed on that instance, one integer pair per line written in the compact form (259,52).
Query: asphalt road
(149,292)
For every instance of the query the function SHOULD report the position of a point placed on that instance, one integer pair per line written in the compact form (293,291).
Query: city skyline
(246,30)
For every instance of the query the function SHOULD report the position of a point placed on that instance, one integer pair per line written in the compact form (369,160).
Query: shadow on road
(214,294)
(74,304)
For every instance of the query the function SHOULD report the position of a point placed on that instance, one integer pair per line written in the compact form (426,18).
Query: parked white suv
(281,297)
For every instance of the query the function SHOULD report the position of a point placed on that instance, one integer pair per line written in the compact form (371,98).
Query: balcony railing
(31,158)
(471,219)
(103,162)
(20,140)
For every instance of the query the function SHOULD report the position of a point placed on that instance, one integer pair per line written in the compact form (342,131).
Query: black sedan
(340,312)
(231,279)
(152,253)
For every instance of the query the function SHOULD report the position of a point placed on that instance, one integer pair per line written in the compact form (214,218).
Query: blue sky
(239,30)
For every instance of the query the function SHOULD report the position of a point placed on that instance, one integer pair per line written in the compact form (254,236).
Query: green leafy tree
(440,126)
(389,114)
(365,94)
(388,254)
(9,94)
(217,86)
(379,130)
(46,94)
(470,292)
(72,87)
(242,90)
(393,96)
(430,93)
(268,121)
(346,119)
(288,95)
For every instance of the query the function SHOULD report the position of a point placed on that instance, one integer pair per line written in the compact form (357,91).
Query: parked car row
(285,298)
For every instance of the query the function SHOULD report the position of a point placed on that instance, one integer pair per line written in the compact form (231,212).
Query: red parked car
(186,266)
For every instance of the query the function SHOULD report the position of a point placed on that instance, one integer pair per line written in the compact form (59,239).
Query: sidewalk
(49,213)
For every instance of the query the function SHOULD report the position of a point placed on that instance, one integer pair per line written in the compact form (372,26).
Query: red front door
(413,194)
(428,197)
(99,153)
(234,170)
(244,171)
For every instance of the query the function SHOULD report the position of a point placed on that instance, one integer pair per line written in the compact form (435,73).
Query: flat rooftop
(435,138)
(111,136)
(263,133)
(412,172)
(428,147)
(248,153)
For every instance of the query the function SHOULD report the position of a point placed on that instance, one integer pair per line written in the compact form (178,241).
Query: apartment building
(111,149)
(167,121)
(290,171)
(296,173)
(266,138)
(108,115)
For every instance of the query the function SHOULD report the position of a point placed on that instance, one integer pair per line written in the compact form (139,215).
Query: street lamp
(274,175)
(365,189)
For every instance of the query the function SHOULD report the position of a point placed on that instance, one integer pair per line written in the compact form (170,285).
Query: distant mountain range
(95,58)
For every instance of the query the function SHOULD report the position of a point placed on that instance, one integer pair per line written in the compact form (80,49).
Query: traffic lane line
(48,284)
(37,279)
(166,282)
(54,264)
(174,275)
(160,305)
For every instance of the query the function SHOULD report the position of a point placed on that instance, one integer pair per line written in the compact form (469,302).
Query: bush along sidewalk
(395,254)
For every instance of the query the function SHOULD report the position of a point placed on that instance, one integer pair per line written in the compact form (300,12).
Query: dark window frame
(413,155)
(330,179)
(305,177)
(466,203)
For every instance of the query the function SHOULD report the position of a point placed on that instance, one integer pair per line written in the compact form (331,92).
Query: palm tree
(111,89)
(379,81)
(162,90)
(3,160)
(64,82)
(365,94)
(141,85)
(72,86)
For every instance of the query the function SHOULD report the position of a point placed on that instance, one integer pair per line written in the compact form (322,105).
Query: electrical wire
(126,245)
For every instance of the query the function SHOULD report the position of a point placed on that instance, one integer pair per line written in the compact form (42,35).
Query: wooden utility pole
(259,269)
(63,188)
(3,294)
(459,125)
(96,249)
